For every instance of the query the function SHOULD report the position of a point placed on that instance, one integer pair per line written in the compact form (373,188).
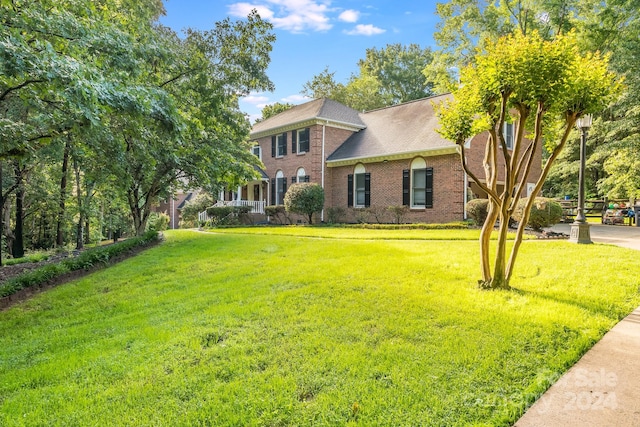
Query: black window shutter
(284,144)
(294,138)
(367,190)
(307,178)
(273,191)
(284,188)
(429,189)
(294,179)
(273,146)
(350,190)
(406,183)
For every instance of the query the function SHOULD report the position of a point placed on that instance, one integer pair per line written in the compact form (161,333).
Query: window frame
(259,150)
(299,141)
(509,135)
(281,145)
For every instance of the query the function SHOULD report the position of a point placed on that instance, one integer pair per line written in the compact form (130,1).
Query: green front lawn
(272,330)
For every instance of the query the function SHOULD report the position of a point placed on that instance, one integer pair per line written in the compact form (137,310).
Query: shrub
(335,214)
(544,212)
(304,198)
(158,222)
(399,212)
(378,213)
(276,214)
(86,260)
(228,215)
(361,215)
(477,210)
(193,207)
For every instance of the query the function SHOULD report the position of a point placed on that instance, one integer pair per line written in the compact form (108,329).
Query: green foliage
(301,348)
(227,215)
(386,77)
(477,210)
(273,110)
(304,198)
(540,86)
(195,206)
(158,222)
(100,255)
(544,212)
(277,213)
(29,258)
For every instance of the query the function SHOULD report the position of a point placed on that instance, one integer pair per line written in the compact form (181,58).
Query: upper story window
(257,151)
(300,141)
(509,135)
(279,145)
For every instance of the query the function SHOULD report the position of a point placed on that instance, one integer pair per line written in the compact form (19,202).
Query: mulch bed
(10,271)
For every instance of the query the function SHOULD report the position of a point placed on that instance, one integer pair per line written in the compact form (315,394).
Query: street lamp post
(580,228)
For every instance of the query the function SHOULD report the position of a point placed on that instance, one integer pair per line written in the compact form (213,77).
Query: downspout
(465,195)
(323,166)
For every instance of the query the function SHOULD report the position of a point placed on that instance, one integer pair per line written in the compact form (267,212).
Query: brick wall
(475,157)
(386,188)
(310,161)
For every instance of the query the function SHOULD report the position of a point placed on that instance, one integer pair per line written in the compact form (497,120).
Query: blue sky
(313,34)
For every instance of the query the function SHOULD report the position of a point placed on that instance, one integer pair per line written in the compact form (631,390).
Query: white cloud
(256,99)
(242,10)
(365,30)
(296,16)
(295,99)
(349,16)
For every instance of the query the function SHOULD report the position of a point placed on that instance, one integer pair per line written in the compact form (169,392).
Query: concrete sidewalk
(603,387)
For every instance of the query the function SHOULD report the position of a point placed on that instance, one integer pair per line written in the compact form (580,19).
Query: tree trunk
(79,225)
(18,232)
(63,196)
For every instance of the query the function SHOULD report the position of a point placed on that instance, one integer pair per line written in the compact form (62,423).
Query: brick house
(387,157)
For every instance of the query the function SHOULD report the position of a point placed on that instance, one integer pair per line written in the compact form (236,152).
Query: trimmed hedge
(91,257)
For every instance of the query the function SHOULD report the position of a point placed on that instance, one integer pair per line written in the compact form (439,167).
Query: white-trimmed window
(300,141)
(417,185)
(278,188)
(257,151)
(509,134)
(359,188)
(279,145)
(301,176)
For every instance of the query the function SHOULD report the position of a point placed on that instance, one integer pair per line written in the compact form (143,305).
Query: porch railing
(256,207)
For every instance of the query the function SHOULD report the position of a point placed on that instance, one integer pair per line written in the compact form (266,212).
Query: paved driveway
(620,235)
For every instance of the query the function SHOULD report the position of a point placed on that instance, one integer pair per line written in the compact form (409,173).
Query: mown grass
(237,329)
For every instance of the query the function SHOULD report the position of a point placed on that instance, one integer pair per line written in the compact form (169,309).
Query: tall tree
(398,69)
(273,110)
(386,77)
(542,87)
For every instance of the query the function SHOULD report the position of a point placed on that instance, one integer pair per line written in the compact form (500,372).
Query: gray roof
(405,128)
(322,109)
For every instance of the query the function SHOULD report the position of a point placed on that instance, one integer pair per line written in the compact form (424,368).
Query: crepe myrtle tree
(305,199)
(540,86)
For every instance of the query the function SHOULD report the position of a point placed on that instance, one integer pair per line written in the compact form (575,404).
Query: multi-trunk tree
(540,86)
